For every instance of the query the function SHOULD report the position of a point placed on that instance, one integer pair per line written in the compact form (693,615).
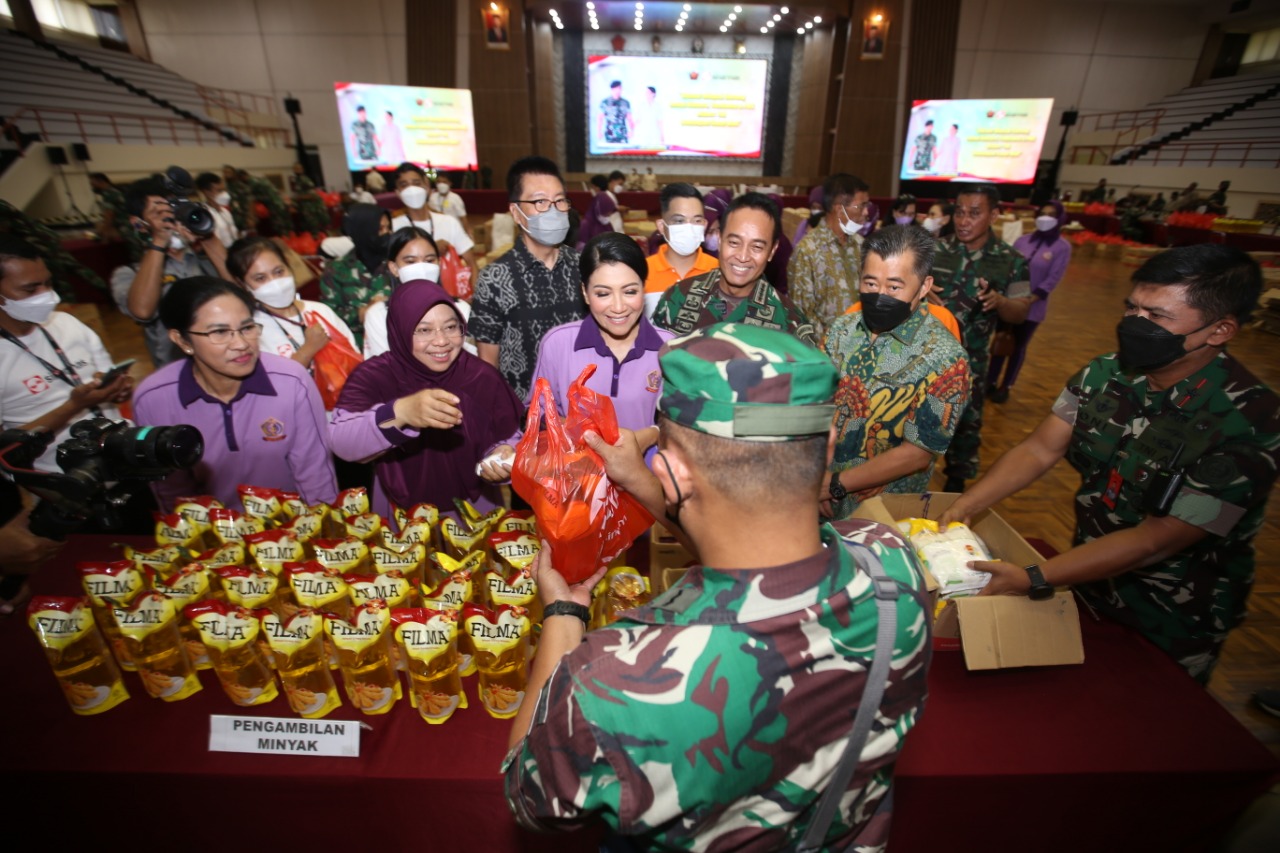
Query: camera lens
(152,448)
(194,217)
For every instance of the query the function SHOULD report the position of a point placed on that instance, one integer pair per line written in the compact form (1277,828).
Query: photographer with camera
(179,245)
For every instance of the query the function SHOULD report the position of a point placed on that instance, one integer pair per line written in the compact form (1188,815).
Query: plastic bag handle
(544,402)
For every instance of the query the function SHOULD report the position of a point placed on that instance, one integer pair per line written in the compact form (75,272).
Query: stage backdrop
(384,126)
(996,140)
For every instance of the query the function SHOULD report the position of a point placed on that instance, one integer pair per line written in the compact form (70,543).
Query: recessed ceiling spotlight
(737,8)
(784,10)
(732,16)
(764,31)
(809,25)
(800,30)
(817,19)
(590,5)
(724,29)
(688,8)
(777,17)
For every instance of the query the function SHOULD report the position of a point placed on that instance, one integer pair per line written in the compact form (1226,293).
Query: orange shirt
(662,275)
(942,315)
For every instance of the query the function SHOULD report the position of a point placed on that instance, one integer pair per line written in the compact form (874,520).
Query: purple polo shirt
(635,383)
(272,434)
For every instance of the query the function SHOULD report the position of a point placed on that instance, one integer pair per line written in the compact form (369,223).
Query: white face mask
(443,189)
(223,199)
(933,224)
(33,309)
(1046,223)
(277,293)
(848,226)
(176,243)
(413,197)
(420,272)
(616,188)
(684,239)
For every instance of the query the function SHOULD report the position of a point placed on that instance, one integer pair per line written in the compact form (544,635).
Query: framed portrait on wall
(497,36)
(874,35)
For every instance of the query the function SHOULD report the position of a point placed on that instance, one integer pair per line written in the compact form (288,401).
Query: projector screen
(675,106)
(996,140)
(400,123)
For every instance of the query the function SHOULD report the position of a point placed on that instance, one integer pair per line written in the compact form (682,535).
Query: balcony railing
(1238,154)
(126,129)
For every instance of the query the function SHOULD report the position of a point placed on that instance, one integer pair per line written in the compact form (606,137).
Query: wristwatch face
(836,488)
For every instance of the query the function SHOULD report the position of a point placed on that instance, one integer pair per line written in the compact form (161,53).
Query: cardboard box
(668,559)
(995,632)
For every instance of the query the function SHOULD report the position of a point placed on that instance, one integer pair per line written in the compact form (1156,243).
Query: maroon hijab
(438,465)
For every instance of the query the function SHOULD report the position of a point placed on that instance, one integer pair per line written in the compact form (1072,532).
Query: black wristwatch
(1040,588)
(836,488)
(154,248)
(568,608)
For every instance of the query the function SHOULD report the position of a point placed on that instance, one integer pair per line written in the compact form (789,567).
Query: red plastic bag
(333,363)
(455,275)
(585,519)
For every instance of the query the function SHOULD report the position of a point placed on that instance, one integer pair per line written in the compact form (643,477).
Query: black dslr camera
(102,463)
(196,218)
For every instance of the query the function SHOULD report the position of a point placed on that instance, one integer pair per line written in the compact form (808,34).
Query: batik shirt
(823,276)
(697,302)
(517,301)
(59,260)
(615,112)
(264,192)
(713,717)
(1221,426)
(910,384)
(347,286)
(241,204)
(925,143)
(956,271)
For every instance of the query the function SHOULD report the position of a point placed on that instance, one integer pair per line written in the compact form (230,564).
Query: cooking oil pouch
(318,587)
(365,526)
(500,637)
(271,549)
(262,504)
(409,563)
(256,590)
(301,660)
(105,583)
(457,540)
(517,520)
(163,560)
(621,588)
(174,529)
(428,513)
(364,655)
(428,641)
(392,587)
(307,527)
(196,510)
(150,629)
(348,554)
(191,584)
(509,579)
(230,633)
(232,526)
(77,652)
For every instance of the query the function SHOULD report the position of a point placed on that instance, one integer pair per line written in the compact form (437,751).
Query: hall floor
(1080,324)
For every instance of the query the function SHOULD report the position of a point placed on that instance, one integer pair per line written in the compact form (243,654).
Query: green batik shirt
(241,204)
(823,276)
(712,717)
(347,286)
(1223,427)
(909,384)
(698,302)
(956,271)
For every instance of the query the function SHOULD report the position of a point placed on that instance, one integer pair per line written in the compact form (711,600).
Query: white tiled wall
(1097,55)
(282,47)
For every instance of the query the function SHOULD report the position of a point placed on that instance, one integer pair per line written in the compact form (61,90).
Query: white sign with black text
(339,738)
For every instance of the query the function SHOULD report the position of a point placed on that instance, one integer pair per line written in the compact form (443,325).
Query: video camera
(100,462)
(196,218)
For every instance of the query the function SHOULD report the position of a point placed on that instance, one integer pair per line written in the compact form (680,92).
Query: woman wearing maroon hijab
(426,411)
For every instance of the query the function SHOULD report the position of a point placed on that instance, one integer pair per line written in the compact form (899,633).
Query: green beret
(737,381)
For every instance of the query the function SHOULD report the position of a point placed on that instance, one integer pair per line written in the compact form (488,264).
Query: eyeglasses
(451,331)
(250,332)
(542,205)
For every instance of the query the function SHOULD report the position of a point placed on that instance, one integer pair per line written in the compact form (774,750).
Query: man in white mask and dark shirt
(413,189)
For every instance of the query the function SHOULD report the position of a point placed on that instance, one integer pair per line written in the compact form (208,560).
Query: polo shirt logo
(655,381)
(273,430)
(36,384)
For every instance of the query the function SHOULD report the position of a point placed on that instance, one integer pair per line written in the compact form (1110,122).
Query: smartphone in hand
(115,372)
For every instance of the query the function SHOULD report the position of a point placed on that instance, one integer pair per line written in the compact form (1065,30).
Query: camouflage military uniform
(956,271)
(347,286)
(911,384)
(281,220)
(241,204)
(716,713)
(111,199)
(1224,427)
(312,214)
(47,243)
(698,302)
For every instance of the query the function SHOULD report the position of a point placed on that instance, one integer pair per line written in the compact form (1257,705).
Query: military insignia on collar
(272,430)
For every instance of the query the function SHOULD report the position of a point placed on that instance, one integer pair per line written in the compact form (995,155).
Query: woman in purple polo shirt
(260,414)
(615,337)
(426,410)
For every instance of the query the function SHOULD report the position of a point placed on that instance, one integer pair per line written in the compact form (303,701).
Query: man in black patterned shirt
(535,286)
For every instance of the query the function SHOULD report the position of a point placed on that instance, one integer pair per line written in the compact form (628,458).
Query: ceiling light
(733,17)
(594,25)
(639,27)
(809,25)
(679,28)
(875,19)
(777,17)
(590,5)
(724,29)
(817,19)
(493,6)
(639,5)
(688,8)
(559,26)
(737,8)
(764,31)
(800,30)
(784,10)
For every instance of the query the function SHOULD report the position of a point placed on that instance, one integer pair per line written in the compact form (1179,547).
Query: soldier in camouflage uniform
(237,183)
(115,215)
(350,282)
(312,214)
(1176,444)
(58,259)
(278,212)
(738,291)
(979,278)
(713,717)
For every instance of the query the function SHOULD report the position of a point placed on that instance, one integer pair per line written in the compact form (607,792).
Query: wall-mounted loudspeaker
(81,152)
(57,155)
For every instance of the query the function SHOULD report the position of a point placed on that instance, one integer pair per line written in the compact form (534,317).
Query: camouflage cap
(745,382)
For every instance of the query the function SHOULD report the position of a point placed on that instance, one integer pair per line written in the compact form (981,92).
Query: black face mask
(672,516)
(1145,345)
(883,313)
